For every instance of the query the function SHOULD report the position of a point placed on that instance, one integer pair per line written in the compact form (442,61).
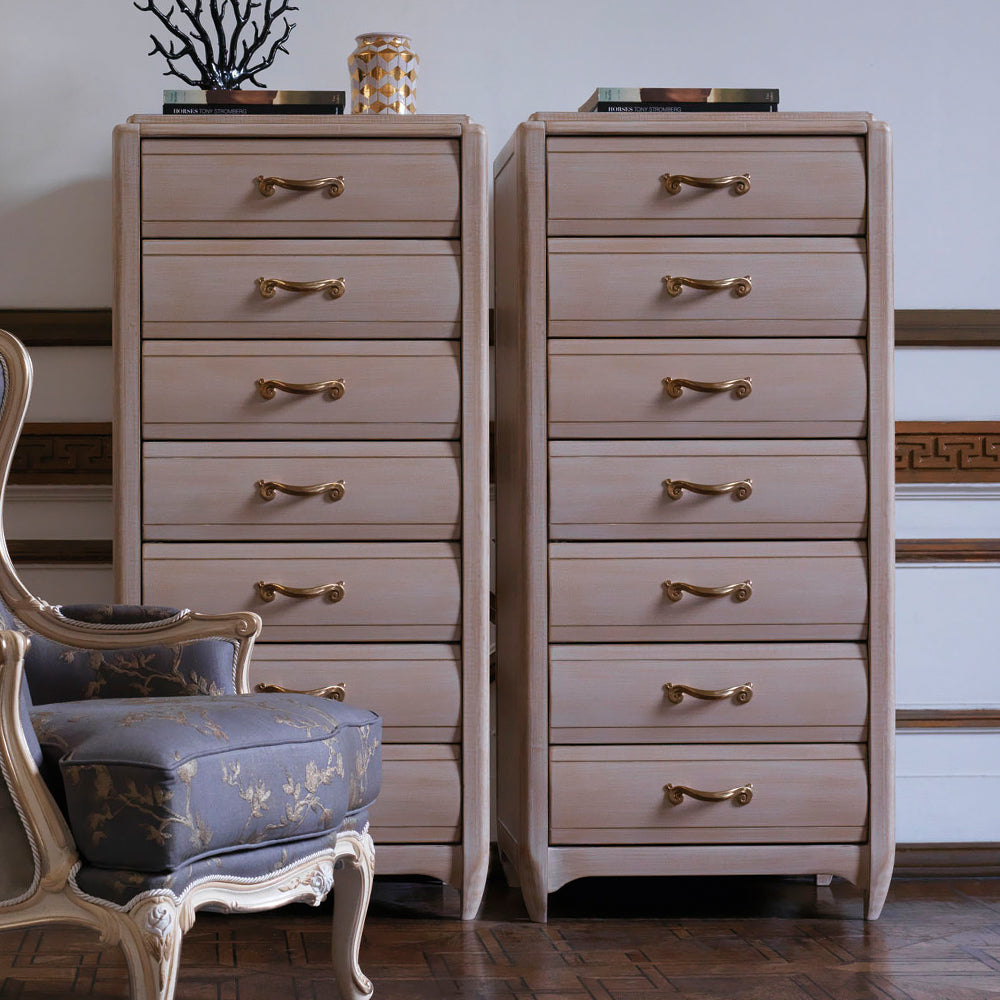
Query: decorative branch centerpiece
(229,42)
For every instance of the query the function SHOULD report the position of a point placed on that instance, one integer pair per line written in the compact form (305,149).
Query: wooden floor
(622,939)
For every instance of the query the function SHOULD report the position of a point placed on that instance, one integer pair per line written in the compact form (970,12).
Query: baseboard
(947,861)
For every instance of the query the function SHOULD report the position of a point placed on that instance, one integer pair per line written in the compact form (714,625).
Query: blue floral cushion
(154,784)
(63,673)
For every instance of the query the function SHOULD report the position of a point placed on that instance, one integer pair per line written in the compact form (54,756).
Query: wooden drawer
(798,693)
(421,796)
(208,187)
(396,592)
(416,689)
(800,287)
(391,390)
(210,490)
(801,794)
(615,388)
(807,185)
(614,592)
(209,288)
(789,489)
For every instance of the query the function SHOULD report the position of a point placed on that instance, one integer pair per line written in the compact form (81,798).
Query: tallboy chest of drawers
(301,355)
(694,507)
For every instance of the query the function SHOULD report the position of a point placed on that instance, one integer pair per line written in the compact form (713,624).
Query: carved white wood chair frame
(150,927)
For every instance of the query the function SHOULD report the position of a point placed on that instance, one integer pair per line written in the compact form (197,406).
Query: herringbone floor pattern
(627,939)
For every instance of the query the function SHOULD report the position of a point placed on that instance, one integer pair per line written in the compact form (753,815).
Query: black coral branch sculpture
(228,42)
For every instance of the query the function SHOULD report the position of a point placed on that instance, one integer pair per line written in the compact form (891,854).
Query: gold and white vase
(383,74)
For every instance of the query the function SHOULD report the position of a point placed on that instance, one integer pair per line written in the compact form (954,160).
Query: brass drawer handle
(740,183)
(333,389)
(675,488)
(334,287)
(334,491)
(741,286)
(740,387)
(335,185)
(740,591)
(740,795)
(335,692)
(333,592)
(741,693)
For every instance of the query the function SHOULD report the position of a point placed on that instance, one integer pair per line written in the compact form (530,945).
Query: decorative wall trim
(58,327)
(948,550)
(948,452)
(948,491)
(948,327)
(948,718)
(914,327)
(47,551)
(974,860)
(63,453)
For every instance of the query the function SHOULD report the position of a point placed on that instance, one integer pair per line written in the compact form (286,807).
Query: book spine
(685,107)
(253,109)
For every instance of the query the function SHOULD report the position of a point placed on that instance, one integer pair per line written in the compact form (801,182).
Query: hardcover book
(253,102)
(703,96)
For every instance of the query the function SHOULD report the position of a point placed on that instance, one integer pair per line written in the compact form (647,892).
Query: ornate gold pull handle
(334,491)
(335,692)
(333,389)
(335,186)
(334,287)
(740,183)
(740,795)
(675,488)
(741,693)
(741,286)
(740,387)
(740,591)
(333,592)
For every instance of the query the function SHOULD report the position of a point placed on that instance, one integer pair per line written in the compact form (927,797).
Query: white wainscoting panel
(947,383)
(69,584)
(59,512)
(71,384)
(947,786)
(948,510)
(946,652)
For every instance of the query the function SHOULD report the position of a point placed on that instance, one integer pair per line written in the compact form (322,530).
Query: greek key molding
(947,452)
(51,453)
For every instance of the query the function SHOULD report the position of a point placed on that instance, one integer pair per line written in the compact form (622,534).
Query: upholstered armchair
(142,783)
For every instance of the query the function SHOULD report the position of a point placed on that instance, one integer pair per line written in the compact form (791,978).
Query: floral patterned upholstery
(153,784)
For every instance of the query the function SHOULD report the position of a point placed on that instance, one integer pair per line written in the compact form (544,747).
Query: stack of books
(253,102)
(680,99)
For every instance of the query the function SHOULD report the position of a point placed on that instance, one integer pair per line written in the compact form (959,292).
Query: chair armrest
(48,836)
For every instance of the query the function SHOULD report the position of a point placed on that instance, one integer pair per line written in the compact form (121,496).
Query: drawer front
(396,592)
(615,591)
(798,184)
(788,692)
(618,288)
(798,388)
(416,689)
(211,288)
(232,490)
(421,796)
(707,489)
(208,187)
(390,390)
(800,794)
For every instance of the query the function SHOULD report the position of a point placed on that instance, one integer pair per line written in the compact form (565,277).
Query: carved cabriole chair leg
(151,940)
(352,889)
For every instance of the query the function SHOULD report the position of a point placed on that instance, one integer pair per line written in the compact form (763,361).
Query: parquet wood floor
(609,939)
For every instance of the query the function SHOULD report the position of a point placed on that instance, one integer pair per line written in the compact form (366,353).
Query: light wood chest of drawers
(208,439)
(694,473)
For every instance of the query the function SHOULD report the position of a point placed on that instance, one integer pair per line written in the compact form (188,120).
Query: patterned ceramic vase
(383,74)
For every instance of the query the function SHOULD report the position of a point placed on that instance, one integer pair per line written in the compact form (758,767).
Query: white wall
(69,71)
